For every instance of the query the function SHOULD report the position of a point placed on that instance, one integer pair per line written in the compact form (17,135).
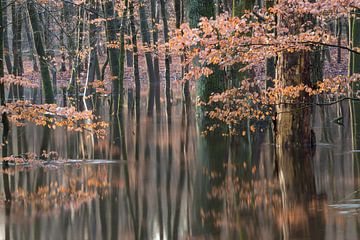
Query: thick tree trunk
(90,76)
(293,125)
(39,45)
(111,37)
(155,31)
(145,35)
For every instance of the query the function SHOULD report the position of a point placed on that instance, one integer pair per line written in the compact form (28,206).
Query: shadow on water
(158,178)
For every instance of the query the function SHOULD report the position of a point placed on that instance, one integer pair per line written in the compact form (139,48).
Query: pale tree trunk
(6,39)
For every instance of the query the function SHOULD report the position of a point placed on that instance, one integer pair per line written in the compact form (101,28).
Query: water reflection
(161,180)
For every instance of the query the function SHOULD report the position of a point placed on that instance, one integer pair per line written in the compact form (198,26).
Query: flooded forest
(179,119)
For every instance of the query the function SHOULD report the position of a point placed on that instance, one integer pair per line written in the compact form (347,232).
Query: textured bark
(39,45)
(293,125)
(293,119)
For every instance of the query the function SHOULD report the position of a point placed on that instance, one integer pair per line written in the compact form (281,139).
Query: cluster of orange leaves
(18,80)
(53,116)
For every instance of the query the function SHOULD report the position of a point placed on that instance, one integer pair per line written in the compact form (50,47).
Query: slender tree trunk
(339,35)
(17,47)
(355,30)
(167,53)
(122,56)
(135,56)
(39,45)
(155,31)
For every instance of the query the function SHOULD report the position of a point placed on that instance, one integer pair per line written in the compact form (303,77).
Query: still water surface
(163,180)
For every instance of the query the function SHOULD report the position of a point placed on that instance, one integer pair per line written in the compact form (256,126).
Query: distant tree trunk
(145,35)
(111,37)
(6,39)
(293,126)
(167,54)
(135,56)
(39,45)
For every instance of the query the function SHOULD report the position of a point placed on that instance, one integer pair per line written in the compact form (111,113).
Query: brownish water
(162,180)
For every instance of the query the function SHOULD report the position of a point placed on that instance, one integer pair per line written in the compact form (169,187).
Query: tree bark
(39,45)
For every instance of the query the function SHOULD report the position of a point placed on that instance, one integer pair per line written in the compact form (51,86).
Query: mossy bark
(40,49)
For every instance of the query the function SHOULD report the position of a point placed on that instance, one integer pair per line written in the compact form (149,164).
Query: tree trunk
(39,45)
(30,41)
(167,54)
(111,37)
(155,31)
(6,39)
(145,35)
(90,76)
(17,47)
(135,56)
(4,118)
(122,56)
(293,125)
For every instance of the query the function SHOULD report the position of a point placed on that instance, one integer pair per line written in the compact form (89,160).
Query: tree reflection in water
(165,181)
